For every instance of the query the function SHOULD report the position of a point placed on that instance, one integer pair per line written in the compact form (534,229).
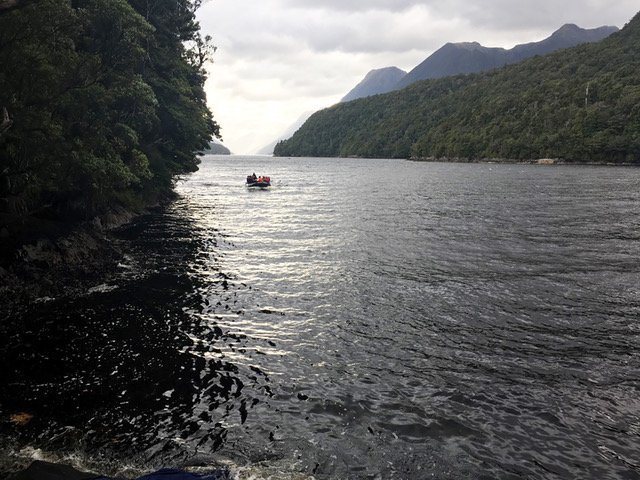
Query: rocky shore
(40,470)
(46,259)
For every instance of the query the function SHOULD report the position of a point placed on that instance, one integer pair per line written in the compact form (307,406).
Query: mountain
(456,58)
(375,82)
(288,133)
(567,36)
(216,148)
(579,104)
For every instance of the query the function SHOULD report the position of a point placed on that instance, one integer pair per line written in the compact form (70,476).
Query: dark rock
(55,261)
(39,470)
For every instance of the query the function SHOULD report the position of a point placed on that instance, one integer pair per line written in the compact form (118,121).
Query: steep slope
(375,82)
(456,58)
(579,104)
(216,148)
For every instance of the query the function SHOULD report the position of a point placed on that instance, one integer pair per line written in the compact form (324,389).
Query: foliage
(579,104)
(102,101)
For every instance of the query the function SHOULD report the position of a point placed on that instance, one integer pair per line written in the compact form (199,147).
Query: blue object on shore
(172,474)
(39,470)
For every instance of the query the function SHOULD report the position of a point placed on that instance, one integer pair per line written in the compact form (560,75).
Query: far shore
(539,161)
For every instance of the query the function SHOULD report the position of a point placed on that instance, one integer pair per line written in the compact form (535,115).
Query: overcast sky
(277,59)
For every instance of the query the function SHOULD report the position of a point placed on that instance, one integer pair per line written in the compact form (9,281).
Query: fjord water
(360,319)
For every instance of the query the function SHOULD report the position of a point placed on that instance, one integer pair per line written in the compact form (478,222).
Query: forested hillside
(101,103)
(580,104)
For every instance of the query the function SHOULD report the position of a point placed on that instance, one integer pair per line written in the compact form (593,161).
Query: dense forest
(101,104)
(580,104)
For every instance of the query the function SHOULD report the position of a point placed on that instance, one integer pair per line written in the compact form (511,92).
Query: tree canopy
(580,104)
(101,102)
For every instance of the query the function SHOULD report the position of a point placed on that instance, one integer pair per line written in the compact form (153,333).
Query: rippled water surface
(359,319)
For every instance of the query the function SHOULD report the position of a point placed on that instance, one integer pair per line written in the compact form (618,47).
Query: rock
(546,161)
(39,470)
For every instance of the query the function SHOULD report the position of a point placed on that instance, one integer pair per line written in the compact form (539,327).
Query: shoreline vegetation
(505,161)
(580,105)
(539,161)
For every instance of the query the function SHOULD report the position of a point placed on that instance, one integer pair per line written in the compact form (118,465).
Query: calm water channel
(360,319)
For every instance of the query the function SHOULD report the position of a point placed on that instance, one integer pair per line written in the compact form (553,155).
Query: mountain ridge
(472,57)
(578,104)
(458,58)
(381,80)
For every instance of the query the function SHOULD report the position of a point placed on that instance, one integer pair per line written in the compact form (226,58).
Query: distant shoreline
(503,161)
(507,161)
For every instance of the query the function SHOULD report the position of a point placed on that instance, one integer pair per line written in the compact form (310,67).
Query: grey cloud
(354,5)
(375,26)
(321,32)
(493,13)
(541,14)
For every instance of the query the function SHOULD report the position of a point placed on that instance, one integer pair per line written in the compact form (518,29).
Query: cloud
(353,6)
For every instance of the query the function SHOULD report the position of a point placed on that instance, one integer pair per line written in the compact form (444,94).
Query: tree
(102,102)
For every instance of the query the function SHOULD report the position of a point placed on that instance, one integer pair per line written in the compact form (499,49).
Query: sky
(277,59)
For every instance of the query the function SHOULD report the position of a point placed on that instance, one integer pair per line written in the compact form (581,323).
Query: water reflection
(138,367)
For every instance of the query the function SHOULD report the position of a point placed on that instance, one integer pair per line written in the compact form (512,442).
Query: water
(360,319)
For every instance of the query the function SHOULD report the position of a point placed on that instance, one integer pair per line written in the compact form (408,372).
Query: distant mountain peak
(377,71)
(467,45)
(574,31)
(471,57)
(380,80)
(568,27)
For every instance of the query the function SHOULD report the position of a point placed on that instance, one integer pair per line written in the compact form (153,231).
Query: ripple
(456,321)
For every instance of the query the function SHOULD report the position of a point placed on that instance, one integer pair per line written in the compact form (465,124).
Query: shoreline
(57,259)
(539,161)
